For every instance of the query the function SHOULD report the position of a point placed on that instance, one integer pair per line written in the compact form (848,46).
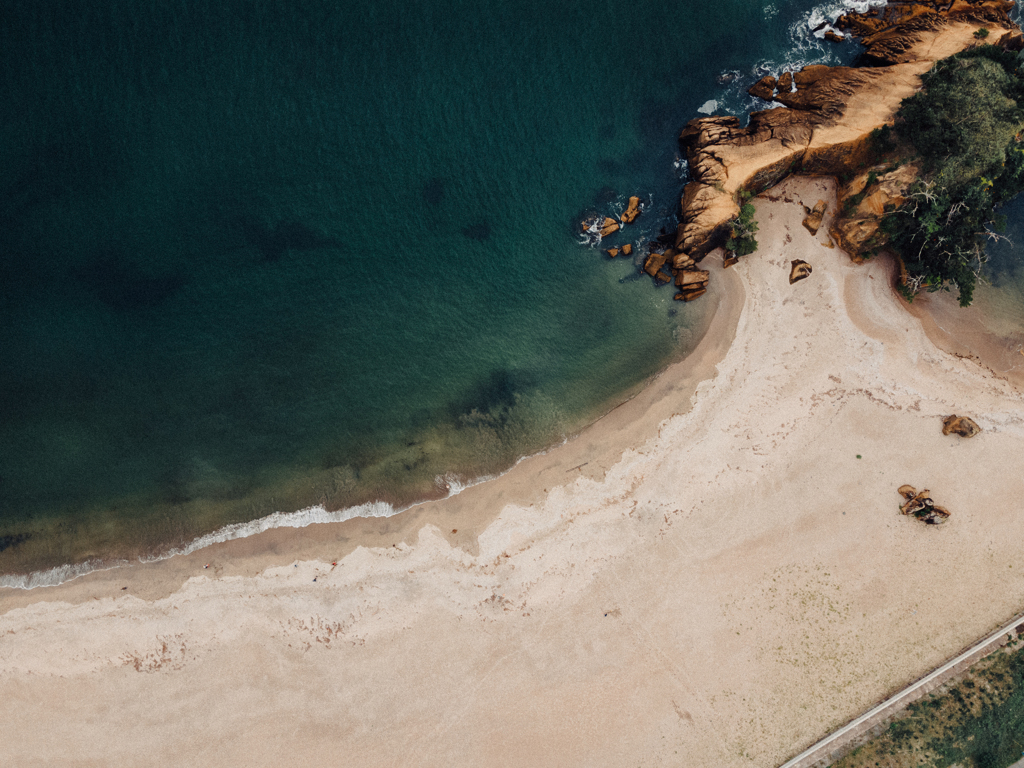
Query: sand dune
(720,583)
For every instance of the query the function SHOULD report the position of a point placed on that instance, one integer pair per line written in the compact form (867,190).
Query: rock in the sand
(627,249)
(613,252)
(730,259)
(609,227)
(655,262)
(632,211)
(799,270)
(814,216)
(764,88)
(920,505)
(960,425)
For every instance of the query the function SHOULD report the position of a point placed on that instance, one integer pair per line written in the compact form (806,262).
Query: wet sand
(714,574)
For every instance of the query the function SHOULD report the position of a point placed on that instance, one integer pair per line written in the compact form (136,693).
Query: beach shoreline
(715,573)
(629,424)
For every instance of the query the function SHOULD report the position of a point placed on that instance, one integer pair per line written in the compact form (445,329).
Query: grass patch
(976,721)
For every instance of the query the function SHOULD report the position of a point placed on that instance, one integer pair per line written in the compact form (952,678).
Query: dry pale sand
(723,592)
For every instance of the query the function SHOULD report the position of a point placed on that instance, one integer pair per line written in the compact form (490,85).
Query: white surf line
(894,700)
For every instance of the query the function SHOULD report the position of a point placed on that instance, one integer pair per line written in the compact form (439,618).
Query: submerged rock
(960,425)
(800,269)
(655,262)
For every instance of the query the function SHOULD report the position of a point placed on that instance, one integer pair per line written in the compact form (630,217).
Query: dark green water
(258,256)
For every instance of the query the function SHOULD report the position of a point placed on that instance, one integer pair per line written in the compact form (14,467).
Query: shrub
(965,124)
(741,229)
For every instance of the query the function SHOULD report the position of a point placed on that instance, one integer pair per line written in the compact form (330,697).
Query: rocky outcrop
(814,216)
(825,122)
(613,252)
(627,249)
(864,200)
(799,270)
(959,425)
(764,88)
(920,505)
(891,33)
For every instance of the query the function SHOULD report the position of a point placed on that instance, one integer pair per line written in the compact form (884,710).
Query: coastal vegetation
(964,127)
(976,721)
(741,229)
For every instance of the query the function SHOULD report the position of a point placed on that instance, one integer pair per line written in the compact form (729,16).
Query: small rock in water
(632,211)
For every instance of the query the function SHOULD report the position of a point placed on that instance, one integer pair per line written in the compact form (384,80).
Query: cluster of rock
(609,226)
(920,505)
(691,281)
(825,123)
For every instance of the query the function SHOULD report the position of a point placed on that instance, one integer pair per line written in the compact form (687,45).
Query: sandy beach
(715,574)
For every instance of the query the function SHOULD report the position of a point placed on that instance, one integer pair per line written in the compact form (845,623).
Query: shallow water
(257,256)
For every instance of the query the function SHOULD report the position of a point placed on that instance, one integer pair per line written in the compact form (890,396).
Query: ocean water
(262,256)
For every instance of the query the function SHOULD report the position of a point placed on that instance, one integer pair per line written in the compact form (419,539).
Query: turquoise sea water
(256,256)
